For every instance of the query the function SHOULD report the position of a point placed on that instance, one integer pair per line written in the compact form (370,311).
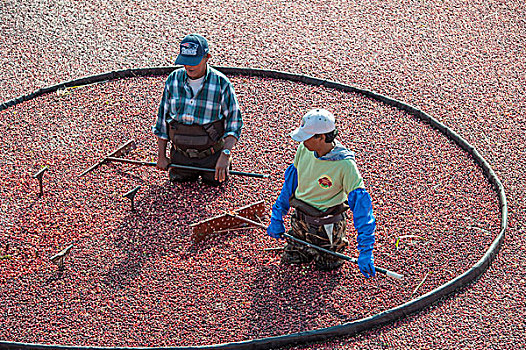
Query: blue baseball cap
(192,50)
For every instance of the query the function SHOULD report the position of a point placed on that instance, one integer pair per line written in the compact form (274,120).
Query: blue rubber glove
(282,206)
(276,228)
(366,263)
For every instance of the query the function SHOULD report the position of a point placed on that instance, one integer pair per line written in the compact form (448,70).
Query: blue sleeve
(363,218)
(282,206)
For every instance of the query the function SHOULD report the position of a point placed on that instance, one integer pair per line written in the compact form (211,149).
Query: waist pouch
(196,137)
(314,216)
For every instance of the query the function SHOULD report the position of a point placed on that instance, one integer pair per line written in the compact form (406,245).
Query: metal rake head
(203,229)
(124,149)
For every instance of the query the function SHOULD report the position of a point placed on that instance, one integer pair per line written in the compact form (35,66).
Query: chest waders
(195,145)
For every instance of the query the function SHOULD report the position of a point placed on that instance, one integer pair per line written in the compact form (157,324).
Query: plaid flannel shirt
(215,100)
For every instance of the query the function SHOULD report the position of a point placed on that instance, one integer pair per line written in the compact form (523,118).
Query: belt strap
(322,220)
(308,209)
(193,153)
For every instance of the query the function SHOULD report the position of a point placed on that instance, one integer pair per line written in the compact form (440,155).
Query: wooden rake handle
(185,167)
(339,255)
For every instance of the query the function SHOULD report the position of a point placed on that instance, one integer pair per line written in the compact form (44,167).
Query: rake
(130,145)
(234,220)
(238,217)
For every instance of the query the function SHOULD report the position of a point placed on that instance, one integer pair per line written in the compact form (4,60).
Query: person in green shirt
(321,184)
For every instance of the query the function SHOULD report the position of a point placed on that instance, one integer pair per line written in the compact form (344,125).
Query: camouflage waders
(297,253)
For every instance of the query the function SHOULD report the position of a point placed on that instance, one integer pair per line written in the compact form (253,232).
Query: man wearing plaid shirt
(199,113)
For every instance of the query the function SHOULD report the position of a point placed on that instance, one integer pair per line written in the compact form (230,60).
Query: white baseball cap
(316,121)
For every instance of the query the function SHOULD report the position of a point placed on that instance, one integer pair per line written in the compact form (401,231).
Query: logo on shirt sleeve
(325,182)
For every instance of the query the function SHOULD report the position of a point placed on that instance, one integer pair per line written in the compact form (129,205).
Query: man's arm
(223,162)
(160,129)
(231,111)
(162,160)
(233,125)
(365,224)
(282,206)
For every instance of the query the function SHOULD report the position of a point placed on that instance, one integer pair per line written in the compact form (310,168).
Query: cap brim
(300,135)
(188,60)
